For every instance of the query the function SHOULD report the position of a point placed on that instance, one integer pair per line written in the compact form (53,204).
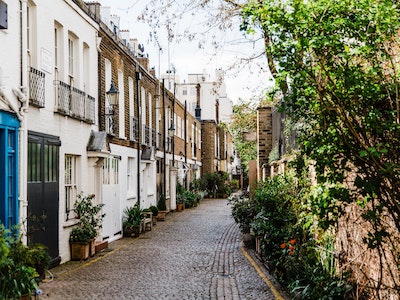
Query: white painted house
(61,57)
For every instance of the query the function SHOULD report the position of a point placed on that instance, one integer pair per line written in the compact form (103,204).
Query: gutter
(21,94)
(138,78)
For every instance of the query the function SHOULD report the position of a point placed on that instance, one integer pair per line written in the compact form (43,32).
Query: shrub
(132,216)
(90,219)
(18,275)
(216,184)
(154,210)
(243,213)
(298,253)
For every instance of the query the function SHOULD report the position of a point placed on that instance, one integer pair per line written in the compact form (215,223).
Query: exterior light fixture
(171,131)
(112,95)
(112,98)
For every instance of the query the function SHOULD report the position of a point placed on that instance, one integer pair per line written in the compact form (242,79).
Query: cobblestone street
(194,254)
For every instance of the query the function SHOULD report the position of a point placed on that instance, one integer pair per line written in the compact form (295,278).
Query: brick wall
(124,61)
(209,129)
(264,138)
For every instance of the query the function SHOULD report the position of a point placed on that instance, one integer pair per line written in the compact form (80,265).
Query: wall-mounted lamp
(112,95)
(171,131)
(112,98)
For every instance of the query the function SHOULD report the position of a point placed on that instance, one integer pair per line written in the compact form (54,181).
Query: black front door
(43,192)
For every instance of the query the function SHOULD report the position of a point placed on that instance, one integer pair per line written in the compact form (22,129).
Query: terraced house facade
(81,111)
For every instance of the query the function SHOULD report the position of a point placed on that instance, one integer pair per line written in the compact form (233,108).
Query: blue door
(9,125)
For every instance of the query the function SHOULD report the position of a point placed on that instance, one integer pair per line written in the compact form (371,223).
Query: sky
(243,81)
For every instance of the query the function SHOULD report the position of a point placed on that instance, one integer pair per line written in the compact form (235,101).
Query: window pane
(34,173)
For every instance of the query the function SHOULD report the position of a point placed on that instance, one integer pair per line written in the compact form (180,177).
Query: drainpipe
(173,124)
(185,132)
(164,141)
(23,130)
(100,94)
(138,78)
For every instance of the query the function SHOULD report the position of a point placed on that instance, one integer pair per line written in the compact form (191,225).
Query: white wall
(10,58)
(74,134)
(11,82)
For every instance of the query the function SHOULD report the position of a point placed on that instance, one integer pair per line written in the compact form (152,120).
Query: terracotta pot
(179,207)
(161,215)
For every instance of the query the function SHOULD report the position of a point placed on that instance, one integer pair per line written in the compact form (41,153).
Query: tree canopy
(244,120)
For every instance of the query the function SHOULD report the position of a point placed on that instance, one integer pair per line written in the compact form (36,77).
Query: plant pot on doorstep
(179,207)
(80,250)
(92,247)
(154,210)
(161,215)
(132,231)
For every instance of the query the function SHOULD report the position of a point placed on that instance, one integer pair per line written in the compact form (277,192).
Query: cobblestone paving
(194,254)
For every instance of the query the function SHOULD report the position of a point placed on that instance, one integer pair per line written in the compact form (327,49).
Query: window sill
(70,223)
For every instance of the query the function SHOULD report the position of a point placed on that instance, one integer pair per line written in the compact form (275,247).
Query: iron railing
(36,87)
(154,138)
(75,103)
(134,129)
(159,141)
(146,131)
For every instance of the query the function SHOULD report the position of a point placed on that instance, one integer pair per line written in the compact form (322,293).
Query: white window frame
(71,58)
(111,171)
(131,178)
(71,171)
(121,104)
(86,67)
(107,74)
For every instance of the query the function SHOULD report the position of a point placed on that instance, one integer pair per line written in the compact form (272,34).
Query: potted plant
(180,202)
(90,220)
(132,221)
(39,258)
(18,278)
(154,210)
(162,208)
(180,197)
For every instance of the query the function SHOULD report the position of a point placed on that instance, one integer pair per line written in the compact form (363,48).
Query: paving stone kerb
(194,254)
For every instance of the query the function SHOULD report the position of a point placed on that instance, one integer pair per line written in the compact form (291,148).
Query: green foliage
(244,119)
(132,216)
(216,184)
(336,63)
(18,275)
(188,197)
(344,86)
(154,210)
(243,212)
(195,185)
(298,252)
(90,219)
(234,185)
(82,234)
